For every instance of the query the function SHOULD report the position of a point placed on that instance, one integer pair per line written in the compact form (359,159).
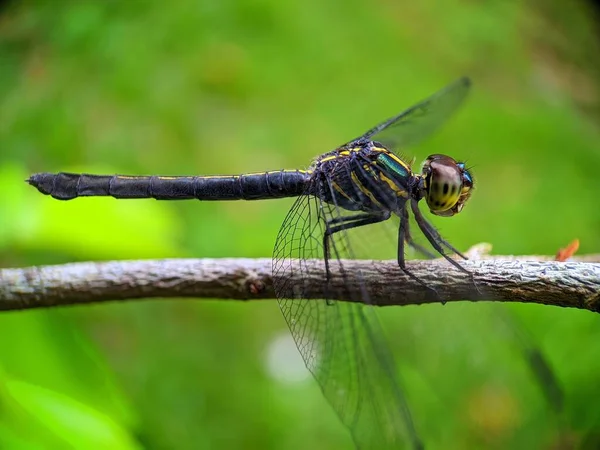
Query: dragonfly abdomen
(255,186)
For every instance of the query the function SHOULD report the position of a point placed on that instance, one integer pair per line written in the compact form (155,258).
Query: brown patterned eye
(447,185)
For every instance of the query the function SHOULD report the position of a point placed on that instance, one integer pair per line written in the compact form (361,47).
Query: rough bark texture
(530,279)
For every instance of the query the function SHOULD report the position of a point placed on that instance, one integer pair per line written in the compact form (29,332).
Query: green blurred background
(209,87)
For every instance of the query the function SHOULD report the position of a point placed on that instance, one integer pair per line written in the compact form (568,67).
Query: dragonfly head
(446,184)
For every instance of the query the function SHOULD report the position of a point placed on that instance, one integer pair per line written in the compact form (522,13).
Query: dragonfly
(359,184)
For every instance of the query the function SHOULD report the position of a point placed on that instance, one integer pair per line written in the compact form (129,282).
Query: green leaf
(60,418)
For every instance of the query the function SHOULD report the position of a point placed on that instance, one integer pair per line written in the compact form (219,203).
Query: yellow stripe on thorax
(393,186)
(364,190)
(341,154)
(339,190)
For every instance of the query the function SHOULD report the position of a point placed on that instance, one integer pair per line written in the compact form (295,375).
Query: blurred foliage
(240,86)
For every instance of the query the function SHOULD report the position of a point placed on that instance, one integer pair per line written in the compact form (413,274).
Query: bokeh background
(210,87)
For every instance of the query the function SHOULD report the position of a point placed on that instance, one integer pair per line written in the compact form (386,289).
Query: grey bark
(531,279)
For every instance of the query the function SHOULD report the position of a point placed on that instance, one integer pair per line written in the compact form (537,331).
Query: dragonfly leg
(408,238)
(436,241)
(347,223)
(345,219)
(404,236)
(422,222)
(434,237)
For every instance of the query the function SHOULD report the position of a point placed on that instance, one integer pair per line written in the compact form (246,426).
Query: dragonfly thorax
(366,177)
(446,185)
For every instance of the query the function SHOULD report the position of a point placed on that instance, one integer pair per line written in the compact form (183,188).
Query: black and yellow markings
(393,186)
(125,177)
(364,190)
(443,196)
(153,177)
(270,172)
(212,177)
(386,160)
(340,191)
(393,163)
(379,176)
(340,154)
(218,177)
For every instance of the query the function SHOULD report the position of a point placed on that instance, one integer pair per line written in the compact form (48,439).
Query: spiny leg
(404,236)
(408,238)
(427,229)
(434,237)
(344,219)
(347,223)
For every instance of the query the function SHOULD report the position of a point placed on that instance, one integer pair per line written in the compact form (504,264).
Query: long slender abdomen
(265,185)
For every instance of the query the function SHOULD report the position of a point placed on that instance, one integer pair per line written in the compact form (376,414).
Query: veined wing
(419,121)
(342,343)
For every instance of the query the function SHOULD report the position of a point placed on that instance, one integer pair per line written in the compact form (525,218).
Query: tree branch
(531,279)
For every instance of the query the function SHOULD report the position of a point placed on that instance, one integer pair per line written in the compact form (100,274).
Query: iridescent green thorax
(394,165)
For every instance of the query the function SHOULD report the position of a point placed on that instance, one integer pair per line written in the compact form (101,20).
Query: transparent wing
(342,343)
(419,121)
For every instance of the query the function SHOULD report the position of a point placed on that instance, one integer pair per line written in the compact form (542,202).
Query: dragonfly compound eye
(447,185)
